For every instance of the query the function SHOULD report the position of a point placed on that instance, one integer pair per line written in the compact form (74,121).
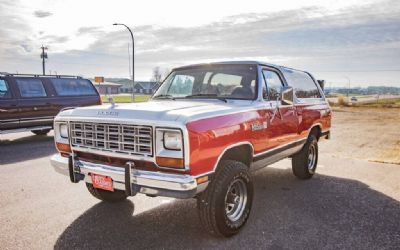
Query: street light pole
(348,87)
(133,59)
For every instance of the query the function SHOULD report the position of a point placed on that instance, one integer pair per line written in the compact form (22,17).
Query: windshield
(210,81)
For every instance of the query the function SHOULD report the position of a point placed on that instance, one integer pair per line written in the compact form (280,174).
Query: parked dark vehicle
(30,102)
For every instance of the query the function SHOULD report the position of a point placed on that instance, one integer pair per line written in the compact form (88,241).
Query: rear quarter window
(73,87)
(4,90)
(303,85)
(31,88)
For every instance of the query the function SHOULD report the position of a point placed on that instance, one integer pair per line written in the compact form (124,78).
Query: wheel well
(242,153)
(316,130)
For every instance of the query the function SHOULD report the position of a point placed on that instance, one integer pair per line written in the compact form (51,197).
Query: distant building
(109,88)
(145,87)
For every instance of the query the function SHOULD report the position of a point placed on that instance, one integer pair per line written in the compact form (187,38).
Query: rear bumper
(146,182)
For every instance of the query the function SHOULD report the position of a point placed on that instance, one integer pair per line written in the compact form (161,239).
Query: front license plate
(102,182)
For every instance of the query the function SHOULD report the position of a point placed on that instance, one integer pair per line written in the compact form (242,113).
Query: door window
(272,86)
(303,85)
(4,91)
(31,88)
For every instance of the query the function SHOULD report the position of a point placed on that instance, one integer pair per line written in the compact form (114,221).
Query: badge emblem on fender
(256,126)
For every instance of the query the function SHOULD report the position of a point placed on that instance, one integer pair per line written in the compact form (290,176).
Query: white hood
(179,111)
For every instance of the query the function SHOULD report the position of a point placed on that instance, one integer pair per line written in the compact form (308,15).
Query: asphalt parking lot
(349,204)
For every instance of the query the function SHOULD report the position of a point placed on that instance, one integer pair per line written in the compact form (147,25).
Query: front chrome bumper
(146,182)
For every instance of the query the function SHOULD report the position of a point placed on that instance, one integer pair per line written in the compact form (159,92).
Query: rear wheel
(305,162)
(41,132)
(225,205)
(104,195)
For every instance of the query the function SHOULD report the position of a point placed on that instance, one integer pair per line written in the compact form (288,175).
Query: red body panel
(209,137)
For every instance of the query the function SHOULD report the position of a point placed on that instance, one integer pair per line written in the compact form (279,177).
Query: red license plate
(102,182)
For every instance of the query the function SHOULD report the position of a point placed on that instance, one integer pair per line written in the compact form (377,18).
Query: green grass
(126,98)
(384,103)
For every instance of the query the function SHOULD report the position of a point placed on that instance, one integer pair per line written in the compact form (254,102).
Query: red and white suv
(201,134)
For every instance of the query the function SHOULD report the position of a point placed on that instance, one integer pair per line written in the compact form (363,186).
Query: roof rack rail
(39,75)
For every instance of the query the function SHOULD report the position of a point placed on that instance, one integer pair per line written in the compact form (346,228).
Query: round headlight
(172,140)
(64,130)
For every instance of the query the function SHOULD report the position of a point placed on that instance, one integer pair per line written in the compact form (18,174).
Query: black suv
(30,102)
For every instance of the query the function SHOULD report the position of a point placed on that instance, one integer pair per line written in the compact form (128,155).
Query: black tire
(104,195)
(304,165)
(41,132)
(212,203)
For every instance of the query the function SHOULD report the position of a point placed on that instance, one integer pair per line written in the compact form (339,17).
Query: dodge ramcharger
(202,133)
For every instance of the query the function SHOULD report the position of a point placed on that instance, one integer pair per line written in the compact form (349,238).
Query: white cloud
(333,35)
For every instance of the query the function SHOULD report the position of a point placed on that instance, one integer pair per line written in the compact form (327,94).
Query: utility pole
(44,57)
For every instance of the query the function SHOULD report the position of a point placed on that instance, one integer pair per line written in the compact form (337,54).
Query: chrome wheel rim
(236,200)
(312,157)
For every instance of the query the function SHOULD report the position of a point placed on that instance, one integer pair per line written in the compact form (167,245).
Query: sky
(340,41)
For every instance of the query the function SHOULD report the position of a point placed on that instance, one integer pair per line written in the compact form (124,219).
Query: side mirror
(321,83)
(287,95)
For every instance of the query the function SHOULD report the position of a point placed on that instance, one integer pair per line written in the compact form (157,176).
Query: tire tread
(207,212)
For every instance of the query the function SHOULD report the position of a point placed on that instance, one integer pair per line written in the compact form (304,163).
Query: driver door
(281,119)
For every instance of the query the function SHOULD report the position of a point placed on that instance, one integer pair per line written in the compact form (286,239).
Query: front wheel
(225,205)
(104,195)
(304,163)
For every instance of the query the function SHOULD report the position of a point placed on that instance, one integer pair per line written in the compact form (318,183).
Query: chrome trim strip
(276,156)
(279,147)
(112,154)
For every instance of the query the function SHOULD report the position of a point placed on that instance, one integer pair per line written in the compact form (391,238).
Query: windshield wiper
(207,96)
(164,97)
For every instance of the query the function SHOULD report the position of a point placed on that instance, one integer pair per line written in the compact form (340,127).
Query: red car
(201,134)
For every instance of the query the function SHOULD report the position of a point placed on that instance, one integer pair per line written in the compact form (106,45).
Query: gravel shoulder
(371,134)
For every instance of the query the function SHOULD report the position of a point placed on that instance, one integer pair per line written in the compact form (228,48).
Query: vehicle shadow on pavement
(324,212)
(26,148)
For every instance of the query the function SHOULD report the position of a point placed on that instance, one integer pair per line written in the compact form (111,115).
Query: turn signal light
(202,179)
(63,147)
(170,162)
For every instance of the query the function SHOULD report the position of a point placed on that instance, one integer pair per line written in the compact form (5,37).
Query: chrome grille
(127,139)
